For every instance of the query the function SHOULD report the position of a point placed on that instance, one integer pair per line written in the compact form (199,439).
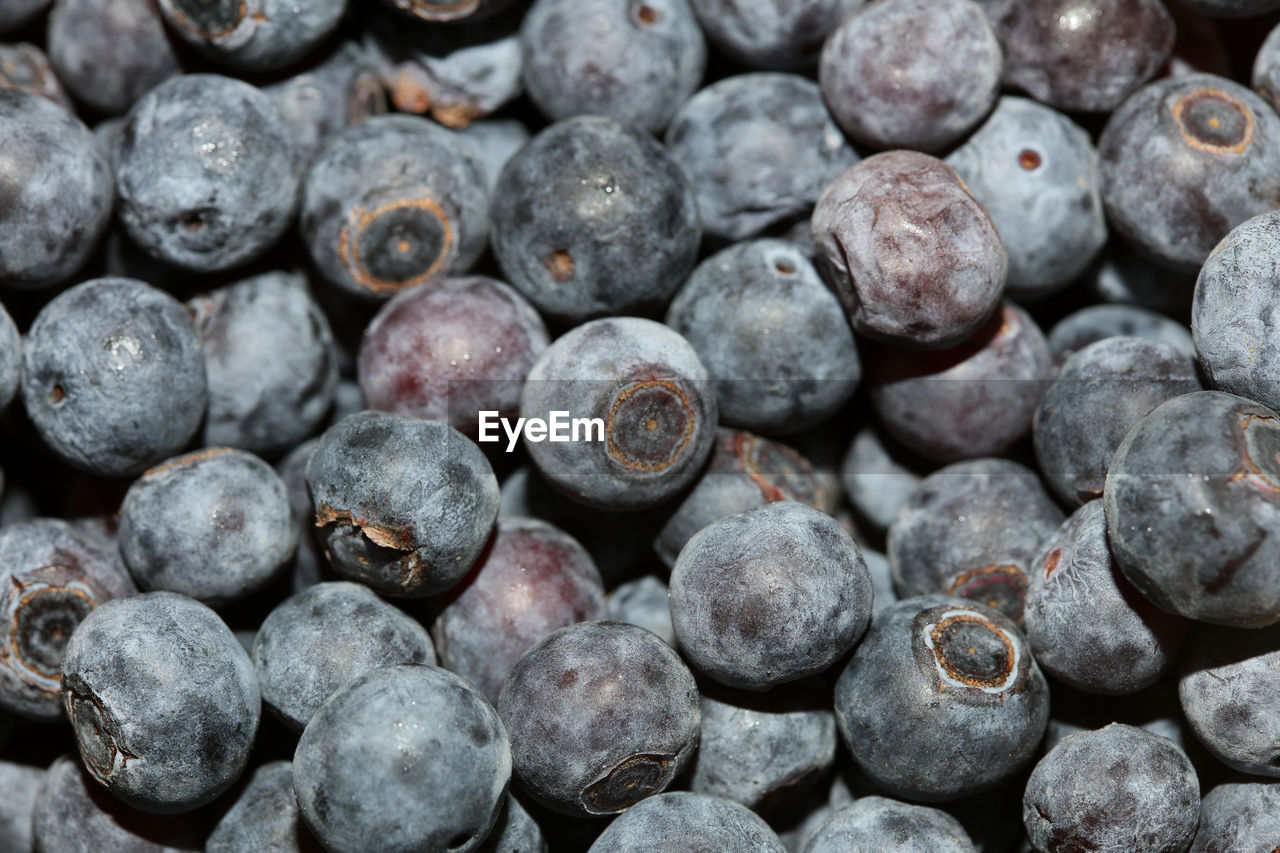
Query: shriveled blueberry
(634,61)
(26,68)
(113,376)
(263,817)
(889,826)
(450,350)
(1083,57)
(495,142)
(532,579)
(163,700)
(601,715)
(643,602)
(911,73)
(942,699)
(1185,160)
(1097,396)
(771,334)
(21,784)
(1193,508)
(915,259)
(562,201)
(253,35)
(270,361)
(1143,795)
(10,358)
(683,822)
(1240,814)
(318,103)
(769,596)
(412,756)
(774,34)
(1097,322)
(110,54)
(1036,173)
(448,11)
(1124,277)
(56,189)
(52,576)
(973,530)
(405,505)
(759,149)
(393,202)
(876,480)
(650,390)
(974,399)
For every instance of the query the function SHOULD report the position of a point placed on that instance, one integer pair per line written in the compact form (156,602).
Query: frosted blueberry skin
(643,602)
(1036,173)
(941,700)
(913,256)
(1098,322)
(309,564)
(163,701)
(495,142)
(198,137)
(875,479)
(975,399)
(57,193)
(601,715)
(1096,397)
(1145,797)
(647,385)
(449,11)
(771,334)
(1241,814)
(370,752)
(264,817)
(1185,160)
(973,530)
(14,14)
(393,202)
(563,199)
(769,596)
(780,35)
(1193,508)
(22,785)
(910,73)
(10,358)
(87,40)
(404,505)
(271,363)
(450,350)
(745,472)
(889,826)
(114,376)
(253,35)
(759,149)
(1087,625)
(1082,58)
(635,62)
(1266,69)
(53,575)
(684,822)
(515,832)
(26,67)
(320,640)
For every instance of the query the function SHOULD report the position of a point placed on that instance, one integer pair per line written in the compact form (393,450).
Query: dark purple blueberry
(448,11)
(780,35)
(253,35)
(915,259)
(643,602)
(889,826)
(1098,322)
(683,822)
(875,479)
(25,67)
(110,54)
(1241,814)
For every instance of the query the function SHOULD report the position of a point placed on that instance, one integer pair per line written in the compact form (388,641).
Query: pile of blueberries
(918,364)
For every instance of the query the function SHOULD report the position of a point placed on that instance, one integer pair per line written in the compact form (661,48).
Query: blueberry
(910,73)
(776,34)
(1124,277)
(392,202)
(1193,510)
(270,362)
(890,826)
(881,579)
(21,784)
(309,565)
(1082,57)
(495,142)
(1036,173)
(601,715)
(10,358)
(54,575)
(941,700)
(759,149)
(1155,709)
(263,817)
(647,386)
(113,376)
(915,259)
(1185,160)
(450,350)
(1097,322)
(1098,394)
(1143,795)
(405,505)
(448,11)
(745,472)
(974,399)
(562,200)
(773,337)
(634,61)
(110,54)
(643,602)
(163,701)
(371,752)
(57,190)
(769,596)
(26,68)
(532,579)
(1240,814)
(253,35)
(1266,69)
(875,480)
(683,822)
(320,640)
